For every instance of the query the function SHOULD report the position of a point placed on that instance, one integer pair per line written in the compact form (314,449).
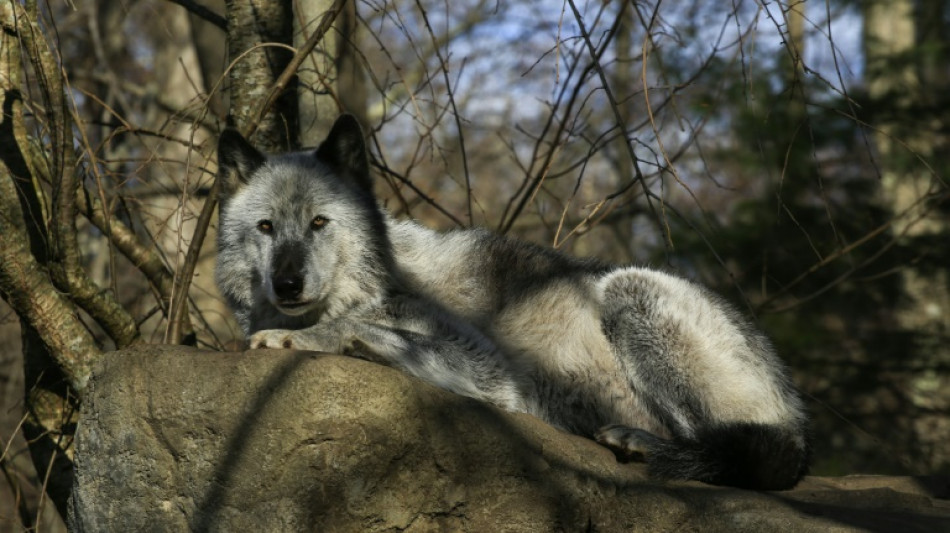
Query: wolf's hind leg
(629,444)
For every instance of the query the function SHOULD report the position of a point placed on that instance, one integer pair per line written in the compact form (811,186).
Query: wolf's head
(301,231)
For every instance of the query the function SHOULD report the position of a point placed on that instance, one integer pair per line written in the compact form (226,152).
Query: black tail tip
(744,455)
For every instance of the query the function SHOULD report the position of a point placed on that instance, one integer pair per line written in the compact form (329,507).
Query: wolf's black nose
(288,287)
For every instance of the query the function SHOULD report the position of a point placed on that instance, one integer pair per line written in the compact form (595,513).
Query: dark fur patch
(745,455)
(237,161)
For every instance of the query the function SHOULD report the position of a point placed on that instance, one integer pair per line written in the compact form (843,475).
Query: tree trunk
(212,55)
(321,90)
(922,315)
(331,78)
(53,338)
(259,39)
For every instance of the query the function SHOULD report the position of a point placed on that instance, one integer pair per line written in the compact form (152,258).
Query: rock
(177,439)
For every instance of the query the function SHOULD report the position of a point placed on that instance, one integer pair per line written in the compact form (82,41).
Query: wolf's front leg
(337,336)
(313,338)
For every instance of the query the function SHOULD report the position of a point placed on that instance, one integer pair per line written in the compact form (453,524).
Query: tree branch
(146,259)
(66,269)
(203,12)
(618,116)
(444,67)
(291,69)
(24,282)
(26,286)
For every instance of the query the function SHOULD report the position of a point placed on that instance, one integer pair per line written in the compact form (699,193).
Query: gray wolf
(653,366)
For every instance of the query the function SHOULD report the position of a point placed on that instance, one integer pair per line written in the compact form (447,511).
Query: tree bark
(909,191)
(212,55)
(259,48)
(330,80)
(57,348)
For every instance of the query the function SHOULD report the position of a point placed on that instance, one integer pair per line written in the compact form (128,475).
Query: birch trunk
(906,190)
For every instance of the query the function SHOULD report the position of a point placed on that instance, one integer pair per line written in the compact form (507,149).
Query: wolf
(650,365)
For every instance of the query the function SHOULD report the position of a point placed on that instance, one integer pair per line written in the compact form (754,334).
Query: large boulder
(176,439)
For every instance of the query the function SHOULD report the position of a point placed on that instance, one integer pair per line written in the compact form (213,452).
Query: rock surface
(176,439)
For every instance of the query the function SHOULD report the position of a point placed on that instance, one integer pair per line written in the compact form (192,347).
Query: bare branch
(444,67)
(203,12)
(66,268)
(24,282)
(143,257)
(618,116)
(291,69)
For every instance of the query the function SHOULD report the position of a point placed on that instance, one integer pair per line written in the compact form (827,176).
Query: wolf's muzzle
(287,286)
(287,276)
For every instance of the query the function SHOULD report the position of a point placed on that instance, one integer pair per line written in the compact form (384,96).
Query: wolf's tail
(745,455)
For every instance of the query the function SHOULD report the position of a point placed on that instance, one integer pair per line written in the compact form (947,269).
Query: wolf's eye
(318,222)
(265,226)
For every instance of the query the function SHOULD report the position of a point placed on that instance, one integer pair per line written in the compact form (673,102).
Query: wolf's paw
(282,338)
(272,338)
(629,444)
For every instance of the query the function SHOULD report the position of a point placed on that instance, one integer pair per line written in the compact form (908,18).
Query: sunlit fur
(647,363)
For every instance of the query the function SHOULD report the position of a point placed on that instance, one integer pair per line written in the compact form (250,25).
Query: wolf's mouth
(294,308)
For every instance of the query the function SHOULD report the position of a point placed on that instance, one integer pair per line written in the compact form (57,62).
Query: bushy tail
(745,455)
(752,456)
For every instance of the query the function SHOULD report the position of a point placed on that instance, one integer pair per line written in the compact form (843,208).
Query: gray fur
(647,363)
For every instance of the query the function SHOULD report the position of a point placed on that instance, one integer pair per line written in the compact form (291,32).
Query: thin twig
(291,69)
(524,192)
(455,112)
(426,198)
(618,116)
(203,12)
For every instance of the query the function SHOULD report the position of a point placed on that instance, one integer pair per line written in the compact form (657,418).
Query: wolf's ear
(345,151)
(237,160)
